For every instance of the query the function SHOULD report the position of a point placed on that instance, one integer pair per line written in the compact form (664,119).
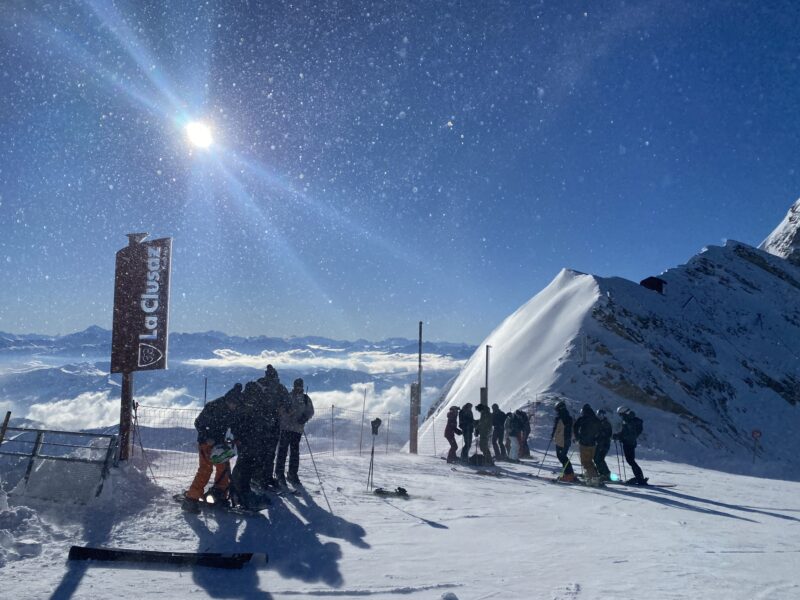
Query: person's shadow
(288,533)
(291,537)
(217,583)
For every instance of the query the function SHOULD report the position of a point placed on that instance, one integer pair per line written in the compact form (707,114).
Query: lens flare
(199,134)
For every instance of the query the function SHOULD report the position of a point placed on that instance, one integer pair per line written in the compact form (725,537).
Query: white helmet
(623,410)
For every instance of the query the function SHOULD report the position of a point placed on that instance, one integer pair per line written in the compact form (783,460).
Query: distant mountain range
(71,371)
(707,353)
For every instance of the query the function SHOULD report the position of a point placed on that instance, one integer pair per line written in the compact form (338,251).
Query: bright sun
(199,134)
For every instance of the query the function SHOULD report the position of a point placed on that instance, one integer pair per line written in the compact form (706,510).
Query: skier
(466,422)
(294,415)
(498,424)
(587,429)
(272,394)
(212,424)
(632,427)
(246,433)
(451,430)
(514,430)
(485,432)
(603,446)
(562,436)
(524,433)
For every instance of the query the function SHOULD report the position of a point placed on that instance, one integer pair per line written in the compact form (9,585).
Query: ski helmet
(623,410)
(601,413)
(221,453)
(561,405)
(299,383)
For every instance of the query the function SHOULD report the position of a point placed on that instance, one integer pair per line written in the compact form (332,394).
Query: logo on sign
(148,355)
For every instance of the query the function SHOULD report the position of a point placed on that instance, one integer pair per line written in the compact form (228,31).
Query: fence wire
(165,437)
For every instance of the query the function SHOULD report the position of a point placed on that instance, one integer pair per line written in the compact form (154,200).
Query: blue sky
(376,164)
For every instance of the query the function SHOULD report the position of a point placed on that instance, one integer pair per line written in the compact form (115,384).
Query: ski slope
(461,535)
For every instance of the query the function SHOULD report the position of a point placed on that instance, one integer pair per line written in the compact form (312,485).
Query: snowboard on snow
(236,510)
(398,492)
(203,559)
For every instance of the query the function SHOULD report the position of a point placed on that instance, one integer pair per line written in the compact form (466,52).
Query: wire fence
(166,440)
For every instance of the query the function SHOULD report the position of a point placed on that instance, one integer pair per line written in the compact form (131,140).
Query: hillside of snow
(712,359)
(461,536)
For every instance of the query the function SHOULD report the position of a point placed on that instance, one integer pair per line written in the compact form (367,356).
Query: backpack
(638,426)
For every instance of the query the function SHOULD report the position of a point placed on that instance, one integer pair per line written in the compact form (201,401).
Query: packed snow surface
(461,535)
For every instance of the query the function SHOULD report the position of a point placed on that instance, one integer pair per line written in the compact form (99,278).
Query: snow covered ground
(461,535)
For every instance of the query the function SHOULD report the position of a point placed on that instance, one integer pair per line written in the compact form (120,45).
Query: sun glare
(199,134)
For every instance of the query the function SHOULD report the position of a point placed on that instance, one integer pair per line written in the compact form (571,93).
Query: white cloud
(96,409)
(87,410)
(393,400)
(373,362)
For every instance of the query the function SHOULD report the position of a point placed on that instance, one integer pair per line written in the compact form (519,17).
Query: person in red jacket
(451,430)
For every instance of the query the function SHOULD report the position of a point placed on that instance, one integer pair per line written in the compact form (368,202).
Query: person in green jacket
(485,432)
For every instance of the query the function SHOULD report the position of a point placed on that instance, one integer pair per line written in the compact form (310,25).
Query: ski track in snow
(452,538)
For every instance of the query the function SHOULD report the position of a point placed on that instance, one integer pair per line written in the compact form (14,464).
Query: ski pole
(545,456)
(619,464)
(371,473)
(624,470)
(322,487)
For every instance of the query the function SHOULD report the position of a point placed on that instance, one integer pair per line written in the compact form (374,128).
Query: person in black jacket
(212,424)
(524,433)
(602,447)
(632,427)
(466,422)
(246,433)
(272,395)
(587,429)
(498,422)
(562,437)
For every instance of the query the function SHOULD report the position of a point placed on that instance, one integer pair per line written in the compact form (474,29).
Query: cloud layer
(372,362)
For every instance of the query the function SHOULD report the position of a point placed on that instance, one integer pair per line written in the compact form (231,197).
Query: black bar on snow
(203,559)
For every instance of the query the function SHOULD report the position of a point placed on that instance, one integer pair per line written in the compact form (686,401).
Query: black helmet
(298,383)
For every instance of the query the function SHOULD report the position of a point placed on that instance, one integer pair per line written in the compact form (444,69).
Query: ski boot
(190,505)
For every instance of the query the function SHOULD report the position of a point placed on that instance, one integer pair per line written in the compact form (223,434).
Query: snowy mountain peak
(784,241)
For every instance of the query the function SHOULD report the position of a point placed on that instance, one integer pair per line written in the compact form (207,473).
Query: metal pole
(487,374)
(125,411)
(433,431)
(387,431)
(332,443)
(4,427)
(363,410)
(205,391)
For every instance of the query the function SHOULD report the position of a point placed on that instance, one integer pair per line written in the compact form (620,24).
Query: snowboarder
(632,427)
(603,446)
(562,436)
(246,433)
(514,430)
(295,413)
(524,432)
(272,394)
(451,430)
(587,429)
(212,424)
(498,425)
(485,432)
(466,422)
